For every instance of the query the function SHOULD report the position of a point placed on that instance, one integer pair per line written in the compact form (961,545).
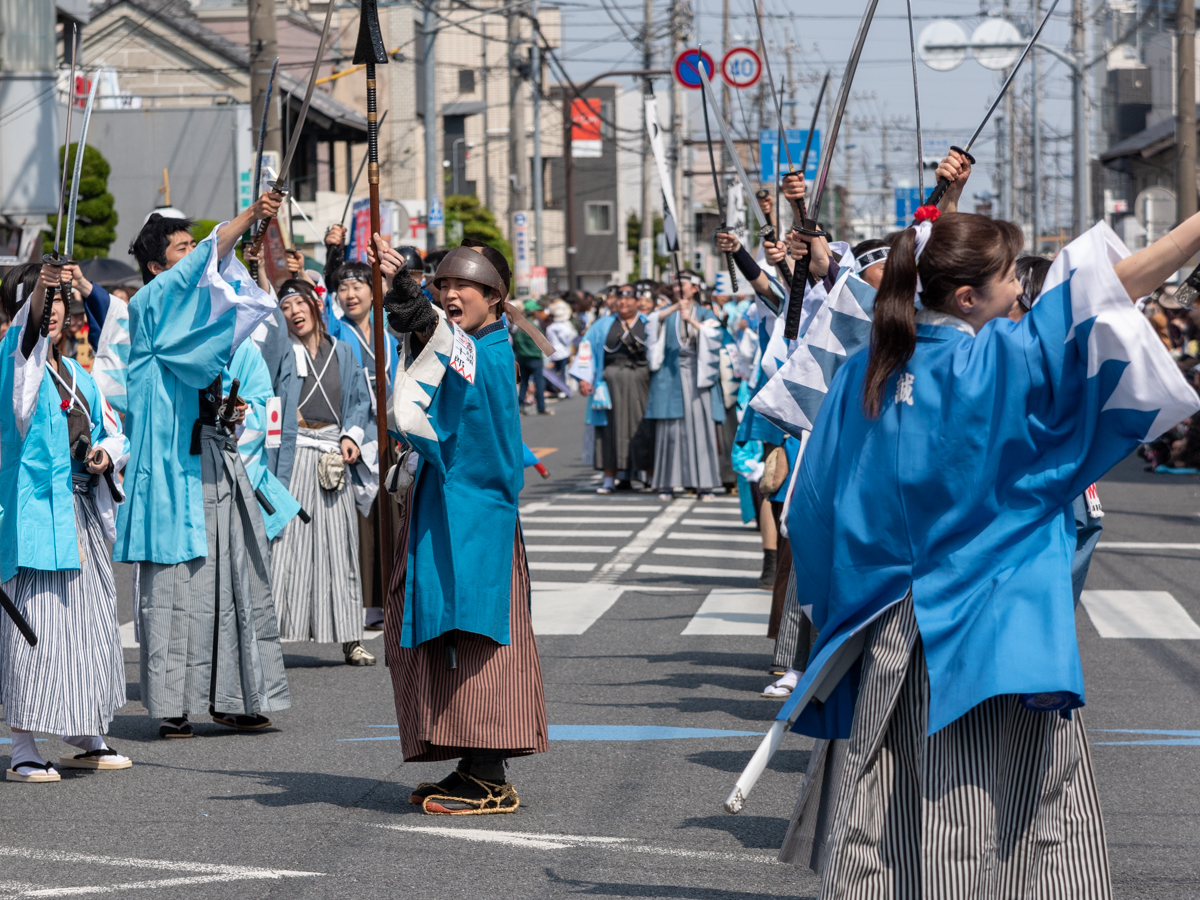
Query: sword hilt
(800,277)
(733,282)
(53,259)
(943,184)
(1185,296)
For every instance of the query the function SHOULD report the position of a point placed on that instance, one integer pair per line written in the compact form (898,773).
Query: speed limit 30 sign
(741,67)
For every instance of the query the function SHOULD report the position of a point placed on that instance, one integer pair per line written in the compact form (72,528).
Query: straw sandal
(474,798)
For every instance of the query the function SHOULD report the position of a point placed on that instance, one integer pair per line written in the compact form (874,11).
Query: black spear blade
(369,48)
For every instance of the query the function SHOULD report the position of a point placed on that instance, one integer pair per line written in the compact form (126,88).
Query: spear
(369,51)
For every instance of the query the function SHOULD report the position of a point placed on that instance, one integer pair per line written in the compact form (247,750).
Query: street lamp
(569,167)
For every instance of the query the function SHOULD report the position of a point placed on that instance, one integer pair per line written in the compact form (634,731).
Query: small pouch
(775,472)
(331,471)
(600,397)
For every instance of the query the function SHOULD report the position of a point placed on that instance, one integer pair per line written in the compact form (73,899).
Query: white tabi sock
(788,679)
(609,482)
(85,742)
(24,750)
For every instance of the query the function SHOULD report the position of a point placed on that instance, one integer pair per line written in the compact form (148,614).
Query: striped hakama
(208,629)
(1001,803)
(318,592)
(73,681)
(494,700)
(796,633)
(685,449)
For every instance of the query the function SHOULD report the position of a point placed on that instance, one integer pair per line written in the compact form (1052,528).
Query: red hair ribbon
(320,291)
(927,213)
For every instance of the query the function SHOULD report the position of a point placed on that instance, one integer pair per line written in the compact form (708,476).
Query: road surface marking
(642,541)
(585,520)
(717,523)
(583,532)
(597,507)
(570,609)
(541,841)
(569,548)
(715,538)
(1139,614)
(535,566)
(708,553)
(1143,547)
(731,611)
(697,572)
(205,873)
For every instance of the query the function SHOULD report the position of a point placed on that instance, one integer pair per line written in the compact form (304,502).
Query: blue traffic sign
(907,201)
(768,152)
(687,69)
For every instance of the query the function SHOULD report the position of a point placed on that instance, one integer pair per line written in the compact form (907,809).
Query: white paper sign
(462,356)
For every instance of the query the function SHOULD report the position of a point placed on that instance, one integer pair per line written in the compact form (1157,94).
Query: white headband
(20,294)
(870,258)
(922,229)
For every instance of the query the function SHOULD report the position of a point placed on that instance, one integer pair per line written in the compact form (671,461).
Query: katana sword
(80,146)
(912,52)
(280,184)
(370,52)
(728,139)
(712,164)
(262,129)
(799,210)
(362,165)
(800,274)
(943,184)
(13,613)
(53,258)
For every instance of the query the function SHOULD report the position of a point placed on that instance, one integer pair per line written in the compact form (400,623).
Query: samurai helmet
(470,265)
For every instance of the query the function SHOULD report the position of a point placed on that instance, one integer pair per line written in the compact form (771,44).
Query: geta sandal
(240,722)
(95,759)
(474,798)
(176,728)
(46,772)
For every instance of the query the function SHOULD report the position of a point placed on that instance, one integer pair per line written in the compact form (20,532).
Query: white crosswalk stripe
(707,553)
(1139,614)
(584,520)
(538,566)
(714,537)
(569,548)
(575,532)
(717,523)
(697,572)
(732,612)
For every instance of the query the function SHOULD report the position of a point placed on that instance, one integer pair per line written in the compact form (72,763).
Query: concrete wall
(197,146)
(29,128)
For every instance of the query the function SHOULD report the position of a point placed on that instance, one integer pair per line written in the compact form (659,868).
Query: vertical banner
(670,218)
(586,139)
(522,259)
(735,211)
(539,282)
(360,226)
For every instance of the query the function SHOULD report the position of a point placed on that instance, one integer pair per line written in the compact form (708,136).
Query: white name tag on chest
(462,355)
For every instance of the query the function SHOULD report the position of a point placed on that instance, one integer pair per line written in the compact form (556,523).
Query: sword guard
(810,228)
(969,157)
(53,259)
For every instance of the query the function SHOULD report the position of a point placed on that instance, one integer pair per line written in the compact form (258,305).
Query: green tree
(477,222)
(95,217)
(633,238)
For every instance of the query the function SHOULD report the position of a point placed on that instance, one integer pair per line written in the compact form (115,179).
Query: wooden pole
(378,338)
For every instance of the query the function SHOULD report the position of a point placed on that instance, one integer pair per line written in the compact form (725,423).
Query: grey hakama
(73,680)
(685,449)
(626,443)
(1001,803)
(208,631)
(316,583)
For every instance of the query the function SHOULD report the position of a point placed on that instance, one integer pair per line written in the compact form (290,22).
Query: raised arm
(265,207)
(1145,270)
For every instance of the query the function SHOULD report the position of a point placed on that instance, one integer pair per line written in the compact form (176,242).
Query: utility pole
(433,170)
(1035,167)
(725,95)
(1008,207)
(263,49)
(535,80)
(1185,115)
(1082,180)
(518,174)
(483,75)
(646,238)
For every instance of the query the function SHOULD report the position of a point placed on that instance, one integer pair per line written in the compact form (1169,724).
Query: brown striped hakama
(494,700)
(1001,803)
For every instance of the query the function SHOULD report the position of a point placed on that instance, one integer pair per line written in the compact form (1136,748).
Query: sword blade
(285,166)
(262,130)
(69,243)
(762,43)
(812,126)
(839,108)
(737,162)
(912,50)
(1011,76)
(62,188)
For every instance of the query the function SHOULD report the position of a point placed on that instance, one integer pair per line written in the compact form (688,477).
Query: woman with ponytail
(934,497)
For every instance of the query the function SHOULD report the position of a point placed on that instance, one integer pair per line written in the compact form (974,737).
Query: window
(599,218)
(466,81)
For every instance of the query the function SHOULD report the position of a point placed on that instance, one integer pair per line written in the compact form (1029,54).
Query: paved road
(653,651)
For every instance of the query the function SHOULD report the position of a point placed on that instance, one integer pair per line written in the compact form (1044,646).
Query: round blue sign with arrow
(687,71)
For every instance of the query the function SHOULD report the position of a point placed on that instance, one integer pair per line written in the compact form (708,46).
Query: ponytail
(963,249)
(894,332)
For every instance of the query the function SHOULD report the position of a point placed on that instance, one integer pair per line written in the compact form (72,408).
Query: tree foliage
(477,221)
(95,216)
(633,239)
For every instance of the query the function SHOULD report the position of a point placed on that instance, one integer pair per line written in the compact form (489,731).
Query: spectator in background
(562,334)
(530,361)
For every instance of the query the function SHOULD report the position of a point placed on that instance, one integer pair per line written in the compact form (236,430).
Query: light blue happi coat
(184,327)
(593,371)
(960,491)
(463,517)
(255,387)
(37,525)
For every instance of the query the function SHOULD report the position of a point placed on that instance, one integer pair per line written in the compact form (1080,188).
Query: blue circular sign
(687,67)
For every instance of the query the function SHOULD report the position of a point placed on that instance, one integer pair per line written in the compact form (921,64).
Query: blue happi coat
(663,348)
(184,327)
(37,525)
(595,337)
(960,490)
(463,517)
